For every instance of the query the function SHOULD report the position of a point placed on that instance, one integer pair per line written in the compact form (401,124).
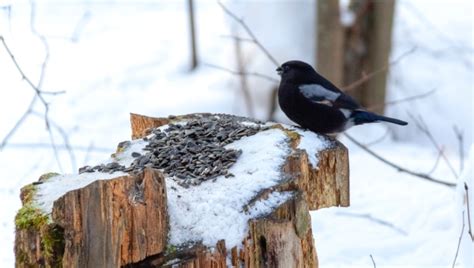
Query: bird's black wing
(319,94)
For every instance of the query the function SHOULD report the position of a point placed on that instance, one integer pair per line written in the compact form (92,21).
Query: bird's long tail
(362,117)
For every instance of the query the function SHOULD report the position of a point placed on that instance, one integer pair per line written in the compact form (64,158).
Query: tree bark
(124,221)
(330,41)
(192,34)
(367,49)
(347,54)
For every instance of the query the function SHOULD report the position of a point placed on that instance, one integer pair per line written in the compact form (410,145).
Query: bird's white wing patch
(347,113)
(318,92)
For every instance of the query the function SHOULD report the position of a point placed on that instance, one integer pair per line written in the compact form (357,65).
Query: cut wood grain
(124,222)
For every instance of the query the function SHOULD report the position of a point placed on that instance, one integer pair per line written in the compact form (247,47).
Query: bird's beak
(279,70)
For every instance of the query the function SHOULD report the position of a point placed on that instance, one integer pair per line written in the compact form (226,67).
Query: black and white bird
(311,101)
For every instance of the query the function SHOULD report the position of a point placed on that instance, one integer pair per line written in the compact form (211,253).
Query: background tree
(345,53)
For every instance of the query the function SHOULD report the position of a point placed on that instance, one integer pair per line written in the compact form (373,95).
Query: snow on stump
(199,190)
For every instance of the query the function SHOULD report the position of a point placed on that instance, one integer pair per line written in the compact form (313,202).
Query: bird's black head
(296,71)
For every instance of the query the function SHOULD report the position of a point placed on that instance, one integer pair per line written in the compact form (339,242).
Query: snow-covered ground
(134,56)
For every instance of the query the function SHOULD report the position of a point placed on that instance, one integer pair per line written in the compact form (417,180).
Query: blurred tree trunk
(244,85)
(330,36)
(366,47)
(192,27)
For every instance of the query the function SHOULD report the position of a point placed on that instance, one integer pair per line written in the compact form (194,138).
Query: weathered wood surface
(284,238)
(108,223)
(124,221)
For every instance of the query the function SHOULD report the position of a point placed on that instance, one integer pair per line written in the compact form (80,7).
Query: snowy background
(117,57)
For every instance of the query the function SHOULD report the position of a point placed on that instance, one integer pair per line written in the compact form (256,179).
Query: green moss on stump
(27,193)
(33,224)
(52,243)
(48,176)
(170,249)
(30,216)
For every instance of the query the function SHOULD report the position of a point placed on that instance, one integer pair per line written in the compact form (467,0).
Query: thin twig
(36,88)
(367,77)
(374,219)
(468,212)
(80,25)
(423,127)
(65,138)
(273,103)
(243,78)
(436,163)
(55,148)
(23,76)
(433,27)
(235,37)
(460,138)
(380,139)
(269,78)
(349,87)
(90,149)
(398,167)
(41,80)
(459,241)
(249,32)
(373,262)
(407,99)
(18,123)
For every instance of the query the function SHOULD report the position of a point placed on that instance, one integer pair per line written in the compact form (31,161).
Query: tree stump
(122,219)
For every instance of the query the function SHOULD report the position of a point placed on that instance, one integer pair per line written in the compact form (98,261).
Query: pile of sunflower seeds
(191,152)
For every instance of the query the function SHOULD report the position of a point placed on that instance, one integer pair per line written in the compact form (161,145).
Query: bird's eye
(286,68)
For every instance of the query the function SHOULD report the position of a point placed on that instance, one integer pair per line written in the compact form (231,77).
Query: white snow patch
(214,210)
(347,16)
(57,186)
(312,143)
(125,157)
(249,124)
(264,207)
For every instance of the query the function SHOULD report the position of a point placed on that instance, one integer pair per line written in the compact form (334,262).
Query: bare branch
(398,167)
(407,99)
(91,148)
(241,39)
(373,219)
(18,123)
(423,127)
(468,212)
(459,241)
(80,26)
(23,76)
(36,88)
(367,77)
(249,32)
(380,139)
(243,78)
(55,149)
(65,138)
(53,93)
(273,103)
(460,138)
(430,25)
(436,162)
(373,262)
(266,77)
